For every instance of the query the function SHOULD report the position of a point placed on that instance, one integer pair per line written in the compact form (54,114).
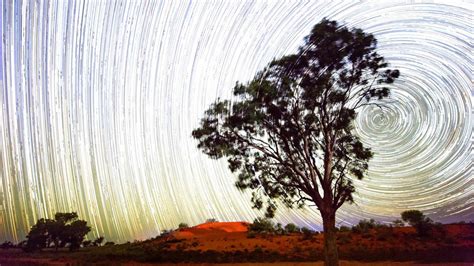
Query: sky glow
(98,100)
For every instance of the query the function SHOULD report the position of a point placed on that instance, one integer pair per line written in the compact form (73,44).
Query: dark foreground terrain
(230,243)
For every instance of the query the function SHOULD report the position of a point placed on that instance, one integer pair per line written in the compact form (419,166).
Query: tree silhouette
(292,228)
(417,219)
(183,225)
(38,237)
(262,225)
(287,132)
(98,242)
(64,230)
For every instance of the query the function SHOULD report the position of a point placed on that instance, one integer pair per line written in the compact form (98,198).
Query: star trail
(99,98)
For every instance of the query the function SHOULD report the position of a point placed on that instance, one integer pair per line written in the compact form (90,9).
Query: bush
(98,242)
(262,225)
(344,228)
(364,226)
(422,224)
(307,233)
(7,245)
(398,223)
(279,230)
(292,228)
(183,225)
(86,243)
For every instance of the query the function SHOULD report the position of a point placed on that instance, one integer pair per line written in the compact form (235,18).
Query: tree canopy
(287,133)
(64,229)
(417,219)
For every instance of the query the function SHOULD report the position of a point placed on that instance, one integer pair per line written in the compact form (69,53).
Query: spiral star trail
(99,98)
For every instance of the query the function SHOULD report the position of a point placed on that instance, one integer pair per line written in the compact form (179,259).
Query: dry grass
(229,244)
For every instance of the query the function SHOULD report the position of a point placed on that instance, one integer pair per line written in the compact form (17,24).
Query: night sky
(98,100)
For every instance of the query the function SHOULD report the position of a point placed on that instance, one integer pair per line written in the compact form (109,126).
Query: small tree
(344,228)
(262,225)
(288,132)
(398,223)
(166,232)
(417,219)
(292,228)
(63,230)
(7,245)
(86,243)
(183,225)
(307,233)
(98,242)
(279,230)
(211,220)
(364,226)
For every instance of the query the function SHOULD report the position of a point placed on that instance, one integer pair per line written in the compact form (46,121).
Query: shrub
(211,220)
(417,219)
(344,228)
(86,243)
(307,233)
(279,230)
(98,242)
(364,226)
(7,245)
(398,223)
(262,225)
(183,225)
(292,228)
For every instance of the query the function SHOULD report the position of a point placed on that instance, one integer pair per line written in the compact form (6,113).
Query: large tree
(288,132)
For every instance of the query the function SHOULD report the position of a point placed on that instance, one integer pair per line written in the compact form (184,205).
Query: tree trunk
(330,247)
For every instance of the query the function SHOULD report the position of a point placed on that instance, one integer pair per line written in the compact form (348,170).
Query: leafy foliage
(287,133)
(98,242)
(38,237)
(64,230)
(398,223)
(364,226)
(262,225)
(307,233)
(183,225)
(292,228)
(344,228)
(417,219)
